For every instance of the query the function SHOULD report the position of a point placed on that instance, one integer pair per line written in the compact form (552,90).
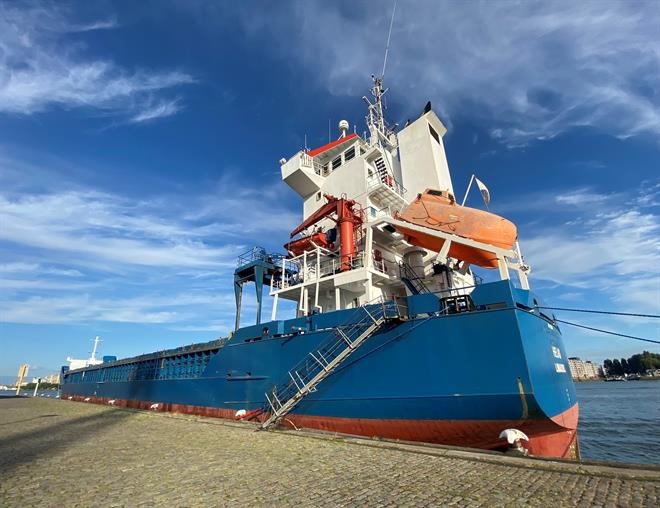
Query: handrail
(374,181)
(326,268)
(451,290)
(308,161)
(320,362)
(407,272)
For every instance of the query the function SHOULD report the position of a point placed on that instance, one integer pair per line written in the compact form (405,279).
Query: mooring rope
(654,316)
(608,331)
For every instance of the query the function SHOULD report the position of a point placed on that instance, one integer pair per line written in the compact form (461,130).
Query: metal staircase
(321,362)
(412,281)
(381,168)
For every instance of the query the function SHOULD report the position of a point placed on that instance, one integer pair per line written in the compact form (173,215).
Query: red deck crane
(345,213)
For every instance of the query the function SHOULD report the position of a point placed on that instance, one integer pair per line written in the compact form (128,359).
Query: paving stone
(61,453)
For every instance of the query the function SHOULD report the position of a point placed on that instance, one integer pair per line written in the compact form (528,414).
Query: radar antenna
(381,132)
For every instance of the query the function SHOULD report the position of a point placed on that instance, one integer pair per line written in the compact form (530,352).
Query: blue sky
(139,146)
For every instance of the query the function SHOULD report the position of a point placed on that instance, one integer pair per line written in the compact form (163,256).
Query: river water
(619,422)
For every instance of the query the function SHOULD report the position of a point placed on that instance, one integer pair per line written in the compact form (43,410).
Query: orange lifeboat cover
(306,243)
(438,210)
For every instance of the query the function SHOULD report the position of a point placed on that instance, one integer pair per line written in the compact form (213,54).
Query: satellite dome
(343,127)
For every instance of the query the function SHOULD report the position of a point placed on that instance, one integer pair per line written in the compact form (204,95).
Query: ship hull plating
(457,379)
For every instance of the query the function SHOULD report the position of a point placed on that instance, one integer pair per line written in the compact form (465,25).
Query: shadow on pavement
(52,438)
(26,420)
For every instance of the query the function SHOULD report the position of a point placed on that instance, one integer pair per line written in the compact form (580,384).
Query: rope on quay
(607,331)
(654,316)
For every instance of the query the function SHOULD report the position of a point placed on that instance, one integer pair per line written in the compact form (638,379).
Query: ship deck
(59,452)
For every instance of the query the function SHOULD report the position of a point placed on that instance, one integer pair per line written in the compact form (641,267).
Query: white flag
(484,190)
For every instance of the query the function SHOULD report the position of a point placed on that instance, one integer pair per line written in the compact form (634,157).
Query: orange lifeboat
(297,247)
(438,210)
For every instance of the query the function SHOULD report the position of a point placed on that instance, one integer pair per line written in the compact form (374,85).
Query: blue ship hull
(446,378)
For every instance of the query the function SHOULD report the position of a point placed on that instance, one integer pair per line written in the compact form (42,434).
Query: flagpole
(468,190)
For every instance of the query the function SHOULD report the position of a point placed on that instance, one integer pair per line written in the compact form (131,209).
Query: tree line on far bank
(636,364)
(42,386)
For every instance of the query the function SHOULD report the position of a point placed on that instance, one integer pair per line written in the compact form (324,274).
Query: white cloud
(160,110)
(41,285)
(76,255)
(530,70)
(40,67)
(580,197)
(18,267)
(611,247)
(34,268)
(108,229)
(145,308)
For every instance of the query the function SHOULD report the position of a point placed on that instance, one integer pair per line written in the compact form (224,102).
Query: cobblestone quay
(61,453)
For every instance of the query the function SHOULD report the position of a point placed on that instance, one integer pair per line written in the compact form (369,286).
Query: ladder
(320,363)
(381,168)
(412,281)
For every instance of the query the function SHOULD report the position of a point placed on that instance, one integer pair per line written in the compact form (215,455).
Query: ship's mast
(97,339)
(380,132)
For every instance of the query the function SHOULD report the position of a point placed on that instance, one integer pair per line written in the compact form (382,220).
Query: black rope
(609,332)
(654,316)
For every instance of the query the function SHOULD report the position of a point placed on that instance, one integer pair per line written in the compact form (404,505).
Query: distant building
(581,369)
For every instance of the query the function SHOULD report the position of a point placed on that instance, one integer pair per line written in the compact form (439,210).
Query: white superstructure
(92,360)
(375,178)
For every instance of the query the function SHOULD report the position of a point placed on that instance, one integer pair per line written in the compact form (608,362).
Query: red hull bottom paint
(547,437)
(555,437)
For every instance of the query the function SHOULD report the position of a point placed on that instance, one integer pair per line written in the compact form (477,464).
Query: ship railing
(334,265)
(254,254)
(384,266)
(308,162)
(387,211)
(326,268)
(388,182)
(258,254)
(457,291)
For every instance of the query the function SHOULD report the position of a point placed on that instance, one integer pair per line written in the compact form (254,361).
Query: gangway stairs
(411,279)
(323,361)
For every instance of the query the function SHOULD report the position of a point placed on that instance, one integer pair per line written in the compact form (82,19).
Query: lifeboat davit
(297,247)
(438,210)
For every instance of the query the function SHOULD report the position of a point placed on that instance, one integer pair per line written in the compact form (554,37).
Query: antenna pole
(387,46)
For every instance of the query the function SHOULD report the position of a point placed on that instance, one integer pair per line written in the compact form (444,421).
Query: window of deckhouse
(336,162)
(349,154)
(434,133)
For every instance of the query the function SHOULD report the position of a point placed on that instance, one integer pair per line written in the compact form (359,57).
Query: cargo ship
(393,334)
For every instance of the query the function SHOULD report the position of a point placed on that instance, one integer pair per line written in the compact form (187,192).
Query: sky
(139,144)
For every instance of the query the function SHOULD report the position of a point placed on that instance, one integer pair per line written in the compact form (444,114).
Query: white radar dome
(343,127)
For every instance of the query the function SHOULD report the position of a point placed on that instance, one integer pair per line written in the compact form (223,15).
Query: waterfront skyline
(139,154)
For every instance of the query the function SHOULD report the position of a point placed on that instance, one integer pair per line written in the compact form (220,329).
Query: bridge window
(349,154)
(336,162)
(434,134)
